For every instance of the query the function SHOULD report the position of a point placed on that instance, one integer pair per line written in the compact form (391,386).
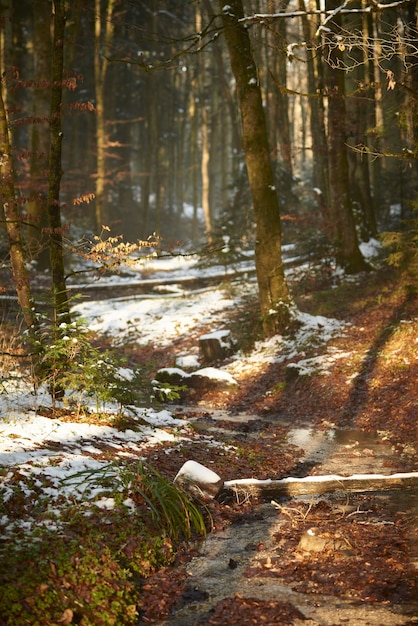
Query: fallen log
(317,485)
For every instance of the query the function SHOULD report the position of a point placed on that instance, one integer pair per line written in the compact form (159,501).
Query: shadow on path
(360,391)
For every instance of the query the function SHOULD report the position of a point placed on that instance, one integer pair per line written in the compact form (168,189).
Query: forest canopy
(152,134)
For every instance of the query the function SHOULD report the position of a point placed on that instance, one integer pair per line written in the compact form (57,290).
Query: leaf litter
(39,454)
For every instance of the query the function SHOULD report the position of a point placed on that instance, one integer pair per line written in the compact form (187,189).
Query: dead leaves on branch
(112,252)
(85,198)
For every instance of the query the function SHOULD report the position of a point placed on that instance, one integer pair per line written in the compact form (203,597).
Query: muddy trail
(328,559)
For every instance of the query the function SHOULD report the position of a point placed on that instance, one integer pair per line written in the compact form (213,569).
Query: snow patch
(192,470)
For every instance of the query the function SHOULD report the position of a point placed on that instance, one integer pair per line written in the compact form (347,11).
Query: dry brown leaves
(250,611)
(373,564)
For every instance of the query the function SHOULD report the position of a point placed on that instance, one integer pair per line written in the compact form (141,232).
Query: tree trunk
(412,84)
(279,115)
(319,140)
(100,69)
(193,159)
(229,100)
(204,170)
(37,213)
(205,137)
(375,139)
(317,485)
(61,306)
(274,294)
(392,183)
(359,114)
(347,251)
(13,224)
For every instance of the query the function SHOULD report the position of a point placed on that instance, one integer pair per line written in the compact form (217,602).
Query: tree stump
(215,346)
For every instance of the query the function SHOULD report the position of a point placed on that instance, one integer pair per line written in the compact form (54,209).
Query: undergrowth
(86,572)
(86,566)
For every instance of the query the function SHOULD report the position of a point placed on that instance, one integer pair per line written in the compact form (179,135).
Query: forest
(175,175)
(191,123)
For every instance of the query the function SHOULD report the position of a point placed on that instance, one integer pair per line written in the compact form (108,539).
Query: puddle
(349,452)
(319,442)
(337,451)
(344,451)
(315,444)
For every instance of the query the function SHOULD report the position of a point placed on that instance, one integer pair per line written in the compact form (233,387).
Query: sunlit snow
(157,320)
(50,451)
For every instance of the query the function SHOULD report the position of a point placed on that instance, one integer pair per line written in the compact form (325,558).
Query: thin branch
(17,356)
(374,6)
(362,149)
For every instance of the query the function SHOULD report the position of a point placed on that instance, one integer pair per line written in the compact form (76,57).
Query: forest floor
(365,408)
(345,559)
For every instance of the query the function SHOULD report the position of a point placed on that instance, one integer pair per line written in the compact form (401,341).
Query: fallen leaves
(363,556)
(66,618)
(161,592)
(251,611)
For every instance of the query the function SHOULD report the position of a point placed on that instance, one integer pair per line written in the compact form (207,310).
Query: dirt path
(325,559)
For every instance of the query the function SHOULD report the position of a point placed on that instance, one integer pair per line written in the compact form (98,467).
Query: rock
(212,379)
(187,362)
(216,346)
(314,541)
(172,376)
(198,479)
(206,379)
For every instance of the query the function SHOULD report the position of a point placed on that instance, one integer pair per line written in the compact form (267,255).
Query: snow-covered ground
(43,457)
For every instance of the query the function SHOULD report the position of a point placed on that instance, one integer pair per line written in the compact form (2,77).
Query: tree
(278,108)
(103,36)
(348,254)
(274,294)
(61,305)
(13,221)
(360,107)
(37,213)
(315,85)
(411,27)
(205,135)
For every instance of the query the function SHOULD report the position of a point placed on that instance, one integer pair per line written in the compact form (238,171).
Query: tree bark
(360,120)
(100,68)
(279,114)
(274,294)
(319,140)
(412,84)
(13,223)
(61,306)
(347,250)
(205,135)
(316,485)
(37,212)
(229,100)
